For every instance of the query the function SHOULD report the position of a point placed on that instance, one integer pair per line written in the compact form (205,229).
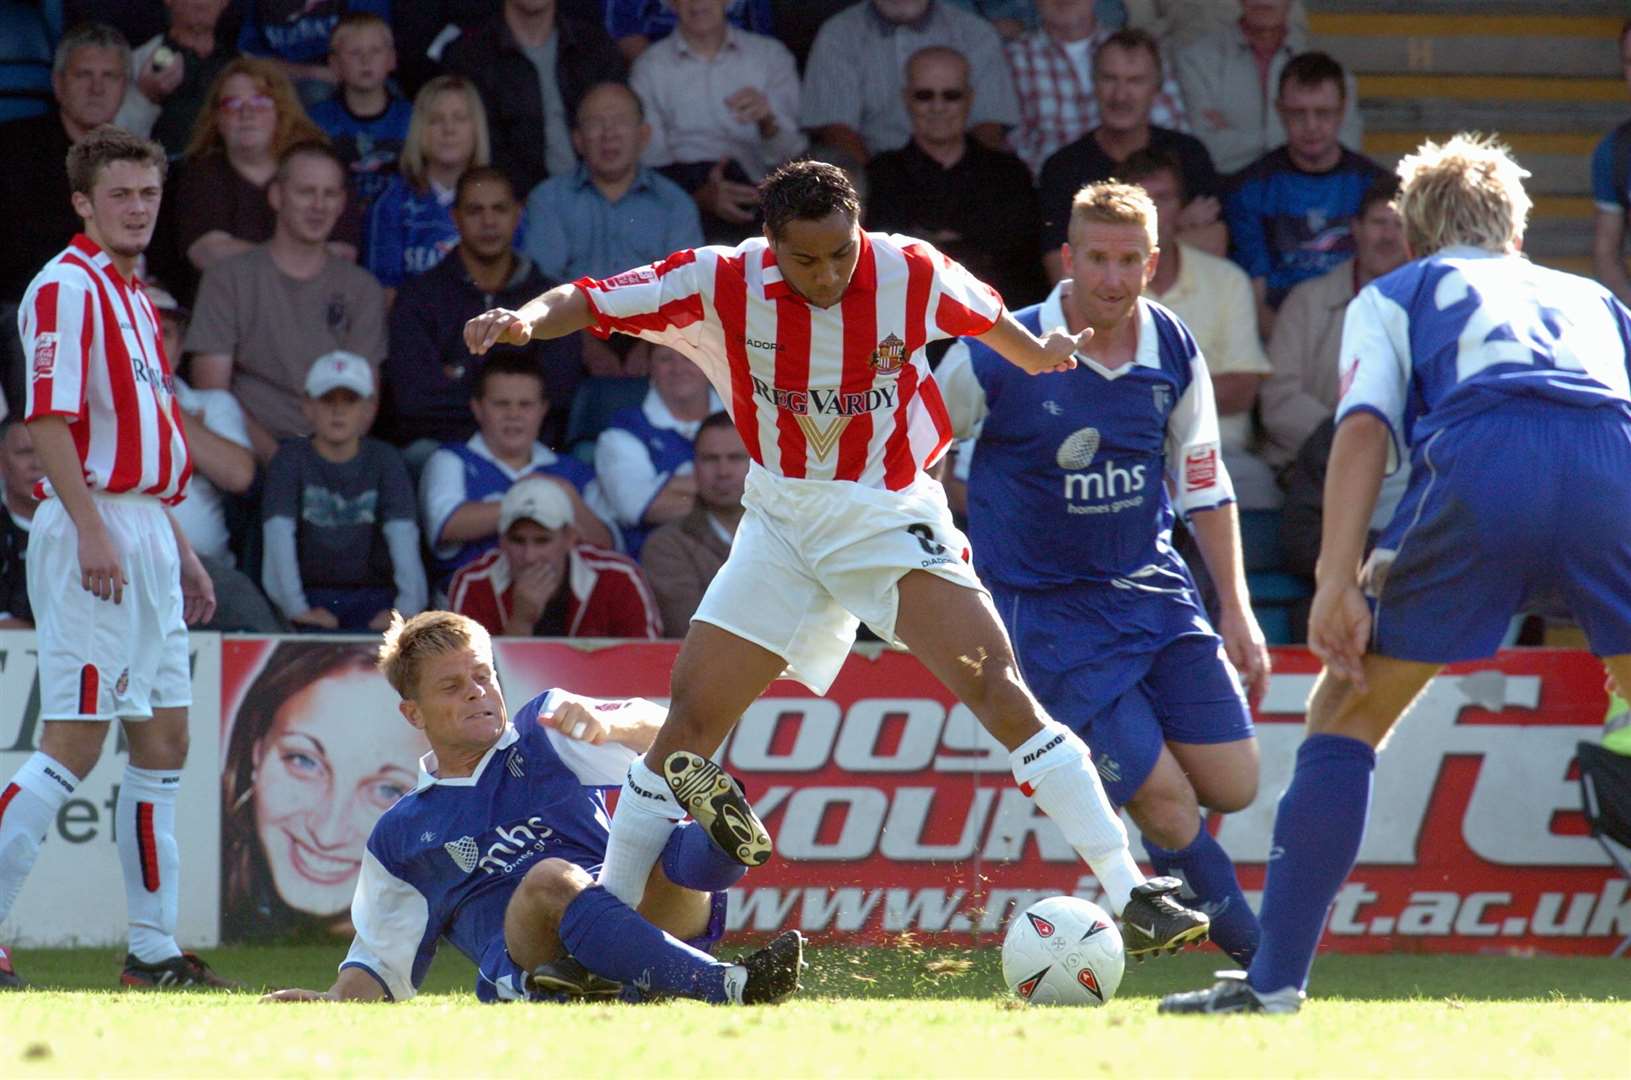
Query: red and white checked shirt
(607,594)
(839,393)
(1057,107)
(96,359)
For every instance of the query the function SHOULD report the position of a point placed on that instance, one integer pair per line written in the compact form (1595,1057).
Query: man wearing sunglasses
(975,203)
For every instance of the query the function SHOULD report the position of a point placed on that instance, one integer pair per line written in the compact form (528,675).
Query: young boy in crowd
(367,120)
(342,547)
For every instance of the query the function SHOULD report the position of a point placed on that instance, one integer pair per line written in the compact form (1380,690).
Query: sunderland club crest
(890,355)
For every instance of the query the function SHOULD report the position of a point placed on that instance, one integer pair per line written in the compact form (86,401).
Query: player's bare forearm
(1017,345)
(1217,534)
(353,984)
(184,547)
(1352,480)
(561,311)
(54,447)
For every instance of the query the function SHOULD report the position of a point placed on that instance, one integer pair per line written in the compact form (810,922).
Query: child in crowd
(367,120)
(342,547)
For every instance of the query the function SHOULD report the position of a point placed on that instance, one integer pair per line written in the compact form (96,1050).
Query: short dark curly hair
(806,191)
(105,145)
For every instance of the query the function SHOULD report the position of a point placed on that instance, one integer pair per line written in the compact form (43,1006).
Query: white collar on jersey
(1147,355)
(427,764)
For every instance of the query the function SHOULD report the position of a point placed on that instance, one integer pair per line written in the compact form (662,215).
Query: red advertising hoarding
(893,812)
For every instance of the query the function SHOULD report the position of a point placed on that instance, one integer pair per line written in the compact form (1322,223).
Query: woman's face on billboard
(336,757)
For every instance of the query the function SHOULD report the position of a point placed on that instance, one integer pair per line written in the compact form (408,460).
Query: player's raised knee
(555,883)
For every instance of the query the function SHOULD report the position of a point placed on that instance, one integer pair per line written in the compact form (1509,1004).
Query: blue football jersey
(1076,474)
(1445,338)
(444,861)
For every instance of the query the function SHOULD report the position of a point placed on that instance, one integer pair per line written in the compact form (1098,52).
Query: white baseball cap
(535,498)
(340,370)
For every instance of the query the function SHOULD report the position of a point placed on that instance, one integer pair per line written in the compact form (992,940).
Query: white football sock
(28,804)
(646,813)
(1054,767)
(145,817)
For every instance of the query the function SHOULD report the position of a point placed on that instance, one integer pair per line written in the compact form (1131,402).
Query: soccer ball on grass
(1063,951)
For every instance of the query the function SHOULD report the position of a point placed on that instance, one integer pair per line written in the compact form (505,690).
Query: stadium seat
(595,402)
(25,62)
(1605,788)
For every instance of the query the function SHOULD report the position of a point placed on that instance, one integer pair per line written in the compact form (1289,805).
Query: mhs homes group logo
(516,844)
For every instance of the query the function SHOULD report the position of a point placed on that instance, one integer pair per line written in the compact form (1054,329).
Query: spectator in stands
(974,203)
(636,25)
(682,557)
(219,202)
(1178,23)
(852,100)
(264,315)
(1305,351)
(543,581)
(533,66)
(342,548)
(1611,190)
(1126,82)
(429,374)
(171,74)
(366,118)
(296,38)
(410,226)
(20,470)
(723,106)
(1226,78)
(223,462)
(463,482)
(88,75)
(643,458)
(1214,299)
(1290,213)
(609,212)
(1054,75)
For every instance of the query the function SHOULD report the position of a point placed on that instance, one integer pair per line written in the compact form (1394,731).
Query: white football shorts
(812,559)
(100,660)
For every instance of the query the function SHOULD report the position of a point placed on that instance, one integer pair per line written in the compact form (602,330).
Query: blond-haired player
(1506,384)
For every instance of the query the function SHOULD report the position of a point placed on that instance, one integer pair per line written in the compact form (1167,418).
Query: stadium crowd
(351,180)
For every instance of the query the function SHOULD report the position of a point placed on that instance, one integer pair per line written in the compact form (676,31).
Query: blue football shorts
(1128,674)
(1525,508)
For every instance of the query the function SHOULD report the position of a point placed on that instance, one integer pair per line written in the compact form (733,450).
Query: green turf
(893,1012)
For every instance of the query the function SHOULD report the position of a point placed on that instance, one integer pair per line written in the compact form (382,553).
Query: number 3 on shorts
(925,536)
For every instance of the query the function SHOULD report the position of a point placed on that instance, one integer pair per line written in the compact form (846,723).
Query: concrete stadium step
(1465,44)
(1558,161)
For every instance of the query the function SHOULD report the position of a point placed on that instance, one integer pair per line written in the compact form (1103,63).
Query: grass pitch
(880,1012)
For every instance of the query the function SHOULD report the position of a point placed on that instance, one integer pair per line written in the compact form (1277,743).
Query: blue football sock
(1317,831)
(1211,877)
(612,940)
(692,860)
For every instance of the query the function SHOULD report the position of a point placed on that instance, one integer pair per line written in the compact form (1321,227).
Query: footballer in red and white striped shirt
(112,580)
(813,335)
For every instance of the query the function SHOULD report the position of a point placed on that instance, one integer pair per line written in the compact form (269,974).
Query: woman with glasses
(250,116)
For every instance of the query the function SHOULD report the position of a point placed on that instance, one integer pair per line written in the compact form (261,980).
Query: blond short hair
(1114,203)
(409,642)
(1467,191)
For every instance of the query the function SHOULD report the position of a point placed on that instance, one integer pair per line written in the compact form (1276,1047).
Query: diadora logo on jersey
(1043,927)
(1053,408)
(771,346)
(45,355)
(890,355)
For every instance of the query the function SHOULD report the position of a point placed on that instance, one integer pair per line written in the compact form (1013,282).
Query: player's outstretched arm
(560,311)
(354,984)
(1339,621)
(634,726)
(1023,349)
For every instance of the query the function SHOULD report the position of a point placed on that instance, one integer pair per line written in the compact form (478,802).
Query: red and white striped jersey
(839,393)
(97,360)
